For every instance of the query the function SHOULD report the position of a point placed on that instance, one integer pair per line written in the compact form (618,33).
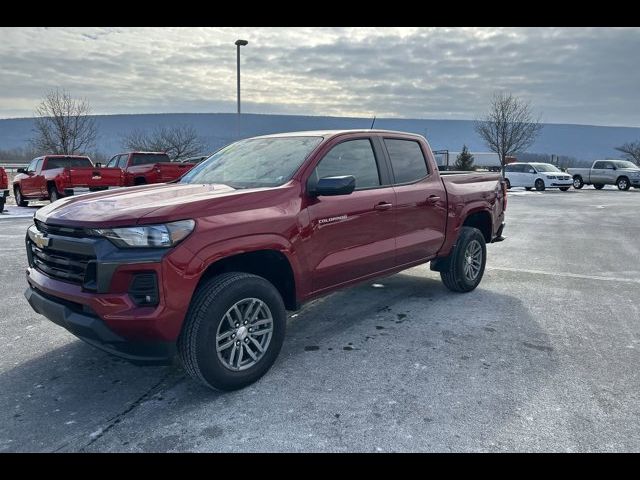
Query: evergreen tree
(464,161)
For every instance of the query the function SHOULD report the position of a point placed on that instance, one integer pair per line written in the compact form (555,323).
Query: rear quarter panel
(468,194)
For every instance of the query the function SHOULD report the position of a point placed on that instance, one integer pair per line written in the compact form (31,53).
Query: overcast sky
(571,75)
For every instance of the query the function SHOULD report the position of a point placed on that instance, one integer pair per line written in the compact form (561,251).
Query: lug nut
(237,324)
(250,329)
(238,342)
(246,340)
(233,335)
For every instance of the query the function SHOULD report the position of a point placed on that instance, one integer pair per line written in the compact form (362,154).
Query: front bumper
(102,293)
(87,326)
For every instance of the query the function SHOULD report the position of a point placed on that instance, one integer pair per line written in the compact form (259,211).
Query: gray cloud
(572,75)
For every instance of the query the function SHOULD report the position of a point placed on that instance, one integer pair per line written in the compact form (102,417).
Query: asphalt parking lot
(543,356)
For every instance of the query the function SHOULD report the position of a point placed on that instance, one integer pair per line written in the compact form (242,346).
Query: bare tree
(631,151)
(178,142)
(63,125)
(509,127)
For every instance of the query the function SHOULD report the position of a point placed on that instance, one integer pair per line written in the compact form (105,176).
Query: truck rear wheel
(233,331)
(2,200)
(623,183)
(20,201)
(464,268)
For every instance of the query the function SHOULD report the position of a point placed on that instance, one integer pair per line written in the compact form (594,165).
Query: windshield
(68,162)
(255,162)
(146,158)
(624,164)
(545,167)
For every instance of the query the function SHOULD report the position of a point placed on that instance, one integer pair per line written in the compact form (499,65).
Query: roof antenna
(374,121)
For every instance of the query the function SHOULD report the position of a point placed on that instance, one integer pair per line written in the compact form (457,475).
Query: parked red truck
(142,168)
(54,176)
(205,267)
(4,188)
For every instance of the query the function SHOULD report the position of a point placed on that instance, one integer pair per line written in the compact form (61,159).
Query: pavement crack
(116,419)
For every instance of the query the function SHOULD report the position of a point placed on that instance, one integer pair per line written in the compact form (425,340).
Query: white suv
(536,175)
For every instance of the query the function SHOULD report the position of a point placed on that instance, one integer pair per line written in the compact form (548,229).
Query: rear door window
(407,160)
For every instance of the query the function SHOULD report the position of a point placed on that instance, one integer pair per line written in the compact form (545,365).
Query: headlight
(148,236)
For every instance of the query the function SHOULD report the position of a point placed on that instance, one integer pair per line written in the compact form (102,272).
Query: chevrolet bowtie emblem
(40,240)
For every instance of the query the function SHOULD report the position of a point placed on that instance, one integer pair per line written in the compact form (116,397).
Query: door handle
(433,199)
(383,206)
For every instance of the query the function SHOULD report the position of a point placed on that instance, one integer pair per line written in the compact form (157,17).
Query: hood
(130,206)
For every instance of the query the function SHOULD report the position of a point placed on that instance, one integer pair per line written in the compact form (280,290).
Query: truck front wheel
(233,331)
(577,182)
(53,193)
(20,201)
(463,269)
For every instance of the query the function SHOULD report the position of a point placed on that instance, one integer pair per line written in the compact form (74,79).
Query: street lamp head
(241,43)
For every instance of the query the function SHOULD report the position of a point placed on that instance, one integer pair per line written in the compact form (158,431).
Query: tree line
(64,125)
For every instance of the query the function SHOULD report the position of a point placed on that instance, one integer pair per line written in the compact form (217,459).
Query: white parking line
(566,275)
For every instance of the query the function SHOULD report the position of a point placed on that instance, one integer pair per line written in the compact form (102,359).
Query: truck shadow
(443,359)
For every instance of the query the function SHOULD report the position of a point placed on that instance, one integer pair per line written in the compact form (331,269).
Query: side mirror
(22,170)
(332,186)
(98,165)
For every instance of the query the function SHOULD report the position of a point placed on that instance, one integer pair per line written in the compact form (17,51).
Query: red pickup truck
(4,188)
(141,168)
(54,176)
(205,267)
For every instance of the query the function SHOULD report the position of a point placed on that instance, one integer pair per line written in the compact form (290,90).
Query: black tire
(508,183)
(198,340)
(539,184)
(2,200)
(20,201)
(564,189)
(139,181)
(578,183)
(528,189)
(453,274)
(53,193)
(598,186)
(623,183)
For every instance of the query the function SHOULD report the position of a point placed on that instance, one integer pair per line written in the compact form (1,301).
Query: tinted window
(146,158)
(255,162)
(407,160)
(353,157)
(122,161)
(68,162)
(510,168)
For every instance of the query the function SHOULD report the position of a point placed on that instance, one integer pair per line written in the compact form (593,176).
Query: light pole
(239,43)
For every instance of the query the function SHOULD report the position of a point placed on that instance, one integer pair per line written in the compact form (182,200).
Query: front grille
(58,230)
(70,267)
